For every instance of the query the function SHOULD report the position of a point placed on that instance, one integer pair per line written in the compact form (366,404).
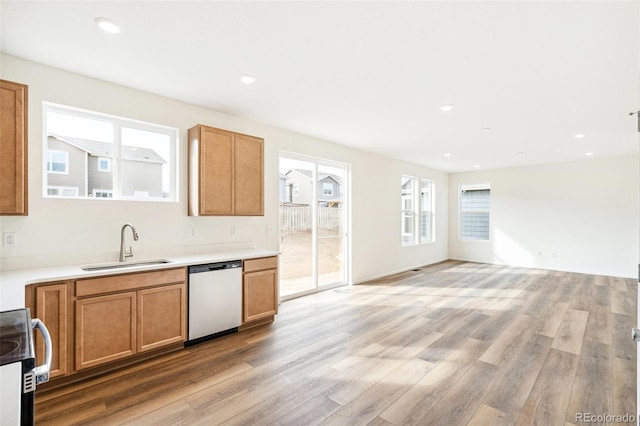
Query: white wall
(78,231)
(584,212)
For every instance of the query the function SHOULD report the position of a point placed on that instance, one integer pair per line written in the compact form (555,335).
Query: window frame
(408,211)
(473,187)
(108,168)
(325,186)
(118,123)
(430,210)
(411,208)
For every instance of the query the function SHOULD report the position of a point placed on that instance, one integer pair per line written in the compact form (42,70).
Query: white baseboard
(398,271)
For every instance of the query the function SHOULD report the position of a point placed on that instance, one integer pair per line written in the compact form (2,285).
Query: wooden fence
(298,218)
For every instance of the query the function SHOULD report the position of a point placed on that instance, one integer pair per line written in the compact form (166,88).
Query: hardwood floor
(450,344)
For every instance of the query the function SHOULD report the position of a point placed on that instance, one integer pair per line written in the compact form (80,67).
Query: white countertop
(12,283)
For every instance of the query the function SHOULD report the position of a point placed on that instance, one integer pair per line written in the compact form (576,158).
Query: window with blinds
(475,203)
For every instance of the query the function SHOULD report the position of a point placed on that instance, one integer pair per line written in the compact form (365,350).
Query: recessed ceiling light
(486,129)
(477,166)
(588,154)
(447,154)
(446,107)
(107,25)
(579,135)
(519,153)
(247,79)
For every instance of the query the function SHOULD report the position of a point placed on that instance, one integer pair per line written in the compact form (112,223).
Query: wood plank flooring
(450,344)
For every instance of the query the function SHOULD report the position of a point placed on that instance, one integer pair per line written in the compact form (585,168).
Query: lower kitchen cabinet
(105,329)
(143,311)
(51,306)
(161,316)
(102,321)
(260,288)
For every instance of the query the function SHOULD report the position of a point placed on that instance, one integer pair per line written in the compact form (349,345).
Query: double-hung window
(426,211)
(417,210)
(57,162)
(107,157)
(104,164)
(475,203)
(408,185)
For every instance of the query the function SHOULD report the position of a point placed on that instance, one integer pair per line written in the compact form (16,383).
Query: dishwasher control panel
(215,266)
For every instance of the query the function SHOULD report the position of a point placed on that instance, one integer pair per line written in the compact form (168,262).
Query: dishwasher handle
(215,267)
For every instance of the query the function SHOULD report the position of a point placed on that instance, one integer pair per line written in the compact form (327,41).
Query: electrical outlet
(190,232)
(10,239)
(234,230)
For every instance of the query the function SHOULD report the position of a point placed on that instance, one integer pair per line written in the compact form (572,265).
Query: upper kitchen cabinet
(13,148)
(225,173)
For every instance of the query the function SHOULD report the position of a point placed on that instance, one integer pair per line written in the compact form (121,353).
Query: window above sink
(91,155)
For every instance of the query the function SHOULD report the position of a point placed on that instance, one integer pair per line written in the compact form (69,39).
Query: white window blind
(475,203)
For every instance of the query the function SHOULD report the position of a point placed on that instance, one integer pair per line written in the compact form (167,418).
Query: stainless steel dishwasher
(215,300)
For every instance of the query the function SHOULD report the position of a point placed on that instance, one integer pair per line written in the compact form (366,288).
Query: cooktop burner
(15,336)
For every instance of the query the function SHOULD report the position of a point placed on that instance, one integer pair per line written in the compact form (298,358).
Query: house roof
(321,176)
(305,173)
(105,149)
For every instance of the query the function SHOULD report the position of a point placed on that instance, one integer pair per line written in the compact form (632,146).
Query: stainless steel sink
(120,265)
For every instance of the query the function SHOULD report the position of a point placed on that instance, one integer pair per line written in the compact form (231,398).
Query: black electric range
(15,336)
(17,368)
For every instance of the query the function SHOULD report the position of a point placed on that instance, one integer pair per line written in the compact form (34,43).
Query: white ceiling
(371,75)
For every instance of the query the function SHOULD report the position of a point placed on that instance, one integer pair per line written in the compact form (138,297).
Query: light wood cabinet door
(13,148)
(52,306)
(260,294)
(105,329)
(248,175)
(216,172)
(161,316)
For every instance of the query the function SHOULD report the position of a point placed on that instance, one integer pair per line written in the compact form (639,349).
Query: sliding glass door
(313,224)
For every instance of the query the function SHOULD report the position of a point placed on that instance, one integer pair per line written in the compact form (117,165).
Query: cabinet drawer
(125,282)
(260,264)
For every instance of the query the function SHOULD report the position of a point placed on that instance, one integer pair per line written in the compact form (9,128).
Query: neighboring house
(84,168)
(283,189)
(299,188)
(329,190)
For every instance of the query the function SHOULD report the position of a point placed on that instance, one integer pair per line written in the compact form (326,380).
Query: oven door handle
(42,371)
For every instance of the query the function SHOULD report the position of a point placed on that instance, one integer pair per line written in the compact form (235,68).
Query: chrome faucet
(123,253)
